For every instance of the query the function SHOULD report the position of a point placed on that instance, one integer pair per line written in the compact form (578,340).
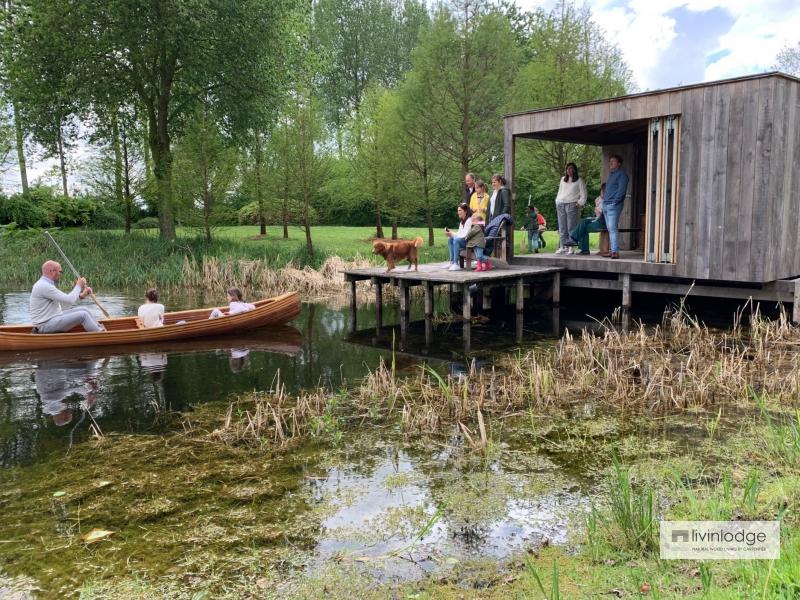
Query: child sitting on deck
(476,241)
(151,312)
(236,305)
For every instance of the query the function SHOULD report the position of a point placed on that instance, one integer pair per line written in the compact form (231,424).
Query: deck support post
(486,298)
(520,299)
(796,302)
(556,319)
(556,288)
(626,290)
(466,314)
(405,302)
(428,332)
(378,302)
(353,306)
(519,328)
(428,299)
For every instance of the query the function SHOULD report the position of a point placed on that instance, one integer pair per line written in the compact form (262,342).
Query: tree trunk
(426,195)
(127,174)
(207,199)
(394,229)
(117,158)
(306,220)
(62,162)
(378,223)
(162,166)
(262,218)
(23,169)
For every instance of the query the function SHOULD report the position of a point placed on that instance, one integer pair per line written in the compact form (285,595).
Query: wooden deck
(465,281)
(437,273)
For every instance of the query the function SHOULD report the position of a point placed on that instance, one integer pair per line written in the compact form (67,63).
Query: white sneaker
(561,250)
(454,267)
(570,250)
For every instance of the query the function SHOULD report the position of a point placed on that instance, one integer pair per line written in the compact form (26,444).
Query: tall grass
(113,260)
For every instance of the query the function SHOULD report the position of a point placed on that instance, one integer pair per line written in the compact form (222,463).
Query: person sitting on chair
(580,235)
(47,302)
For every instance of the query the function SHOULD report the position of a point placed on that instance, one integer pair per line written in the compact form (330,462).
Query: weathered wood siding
(739,179)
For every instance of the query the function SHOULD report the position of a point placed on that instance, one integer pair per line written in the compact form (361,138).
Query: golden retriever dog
(396,250)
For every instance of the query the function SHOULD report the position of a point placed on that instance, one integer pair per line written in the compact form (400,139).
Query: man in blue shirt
(613,201)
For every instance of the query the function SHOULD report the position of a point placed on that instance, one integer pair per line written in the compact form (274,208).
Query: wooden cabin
(714,171)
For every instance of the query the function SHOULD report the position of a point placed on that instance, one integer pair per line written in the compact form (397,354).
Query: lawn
(349,242)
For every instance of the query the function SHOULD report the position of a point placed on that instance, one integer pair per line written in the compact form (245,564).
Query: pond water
(395,507)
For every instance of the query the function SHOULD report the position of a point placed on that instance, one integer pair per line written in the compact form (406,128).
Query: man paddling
(47,302)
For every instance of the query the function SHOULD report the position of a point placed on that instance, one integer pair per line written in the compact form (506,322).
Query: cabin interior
(649,149)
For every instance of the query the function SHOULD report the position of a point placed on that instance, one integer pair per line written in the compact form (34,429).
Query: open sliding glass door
(663,145)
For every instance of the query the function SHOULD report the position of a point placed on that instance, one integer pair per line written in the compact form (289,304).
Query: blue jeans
(533,241)
(581,233)
(611,213)
(455,245)
(478,253)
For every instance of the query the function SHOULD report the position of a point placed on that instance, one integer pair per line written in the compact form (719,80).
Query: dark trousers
(581,233)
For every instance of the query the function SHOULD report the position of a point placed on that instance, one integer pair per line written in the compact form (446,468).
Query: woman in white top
(151,312)
(236,304)
(569,202)
(456,241)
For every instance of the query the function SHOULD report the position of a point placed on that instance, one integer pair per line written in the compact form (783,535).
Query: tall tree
(9,12)
(462,69)
(207,167)
(171,56)
(364,43)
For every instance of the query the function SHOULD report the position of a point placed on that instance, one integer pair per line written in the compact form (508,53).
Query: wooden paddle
(74,271)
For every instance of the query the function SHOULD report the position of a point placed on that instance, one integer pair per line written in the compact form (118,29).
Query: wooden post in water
(796,302)
(519,328)
(405,302)
(378,302)
(626,290)
(466,314)
(428,299)
(520,295)
(353,306)
(486,297)
(556,289)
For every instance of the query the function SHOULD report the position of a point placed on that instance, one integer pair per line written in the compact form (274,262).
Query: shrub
(22,210)
(105,218)
(147,223)
(248,214)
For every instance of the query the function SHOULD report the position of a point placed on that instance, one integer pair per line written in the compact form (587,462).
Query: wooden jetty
(466,281)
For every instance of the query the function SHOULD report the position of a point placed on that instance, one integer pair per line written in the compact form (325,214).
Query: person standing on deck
(469,187)
(500,200)
(570,200)
(613,201)
(47,302)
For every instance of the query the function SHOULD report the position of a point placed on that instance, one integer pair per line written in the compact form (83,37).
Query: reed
(676,366)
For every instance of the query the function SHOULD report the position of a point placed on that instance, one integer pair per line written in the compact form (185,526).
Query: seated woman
(581,233)
(479,203)
(151,312)
(457,241)
(236,305)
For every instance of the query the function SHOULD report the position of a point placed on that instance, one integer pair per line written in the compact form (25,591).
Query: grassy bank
(236,257)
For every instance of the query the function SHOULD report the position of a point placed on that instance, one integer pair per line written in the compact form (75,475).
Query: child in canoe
(151,312)
(236,305)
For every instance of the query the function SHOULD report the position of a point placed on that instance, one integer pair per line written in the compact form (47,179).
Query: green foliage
(633,509)
(22,211)
(147,223)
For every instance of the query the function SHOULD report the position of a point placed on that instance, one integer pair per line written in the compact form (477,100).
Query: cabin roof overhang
(651,93)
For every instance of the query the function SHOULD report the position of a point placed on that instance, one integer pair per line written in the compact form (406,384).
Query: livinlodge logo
(720,539)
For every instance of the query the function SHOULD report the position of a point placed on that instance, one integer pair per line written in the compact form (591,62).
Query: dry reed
(218,274)
(678,365)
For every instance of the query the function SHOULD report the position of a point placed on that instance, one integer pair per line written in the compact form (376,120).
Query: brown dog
(396,250)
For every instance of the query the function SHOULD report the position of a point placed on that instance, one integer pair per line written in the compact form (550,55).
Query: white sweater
(571,191)
(47,300)
(463,229)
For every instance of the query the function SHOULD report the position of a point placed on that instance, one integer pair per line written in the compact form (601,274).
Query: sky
(667,43)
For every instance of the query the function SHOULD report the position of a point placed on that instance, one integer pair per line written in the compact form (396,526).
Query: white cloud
(646,33)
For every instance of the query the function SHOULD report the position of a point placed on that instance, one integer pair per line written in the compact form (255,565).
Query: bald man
(47,302)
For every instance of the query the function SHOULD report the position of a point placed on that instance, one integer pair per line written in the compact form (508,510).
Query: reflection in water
(60,384)
(134,384)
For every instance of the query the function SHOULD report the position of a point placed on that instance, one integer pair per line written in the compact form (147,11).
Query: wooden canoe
(125,330)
